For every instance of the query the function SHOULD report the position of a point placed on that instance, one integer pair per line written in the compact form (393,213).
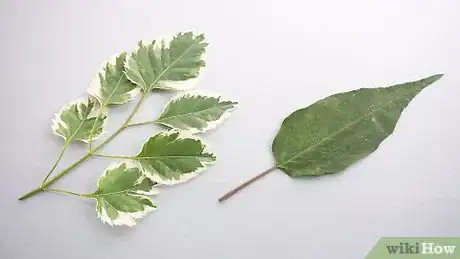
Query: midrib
(340,131)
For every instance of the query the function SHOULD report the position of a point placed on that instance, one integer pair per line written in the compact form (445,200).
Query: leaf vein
(339,131)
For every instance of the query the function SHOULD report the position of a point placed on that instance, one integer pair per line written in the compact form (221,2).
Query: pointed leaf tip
(431,79)
(332,134)
(196,112)
(171,157)
(110,84)
(173,64)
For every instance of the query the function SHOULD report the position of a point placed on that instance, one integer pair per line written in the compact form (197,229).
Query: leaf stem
(245,184)
(101,109)
(136,108)
(124,126)
(55,178)
(88,155)
(115,157)
(64,148)
(68,192)
(141,123)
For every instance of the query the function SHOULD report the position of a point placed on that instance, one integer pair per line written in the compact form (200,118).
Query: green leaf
(337,131)
(121,195)
(110,85)
(167,64)
(170,158)
(195,112)
(75,121)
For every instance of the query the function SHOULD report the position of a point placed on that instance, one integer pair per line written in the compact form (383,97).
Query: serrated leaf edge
(211,125)
(95,85)
(125,218)
(57,119)
(172,85)
(186,177)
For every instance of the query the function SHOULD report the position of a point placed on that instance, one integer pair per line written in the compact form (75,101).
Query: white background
(273,57)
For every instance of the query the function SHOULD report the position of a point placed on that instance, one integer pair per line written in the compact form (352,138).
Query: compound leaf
(337,131)
(167,64)
(195,112)
(110,85)
(121,194)
(76,120)
(170,158)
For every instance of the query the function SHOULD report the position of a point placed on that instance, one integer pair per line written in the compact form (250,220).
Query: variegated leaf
(196,112)
(76,120)
(110,85)
(167,64)
(121,194)
(170,158)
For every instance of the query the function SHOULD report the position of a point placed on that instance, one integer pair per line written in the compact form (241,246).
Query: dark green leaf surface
(335,132)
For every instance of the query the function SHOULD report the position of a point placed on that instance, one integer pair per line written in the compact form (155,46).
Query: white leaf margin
(154,176)
(168,84)
(56,120)
(212,124)
(95,85)
(125,218)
